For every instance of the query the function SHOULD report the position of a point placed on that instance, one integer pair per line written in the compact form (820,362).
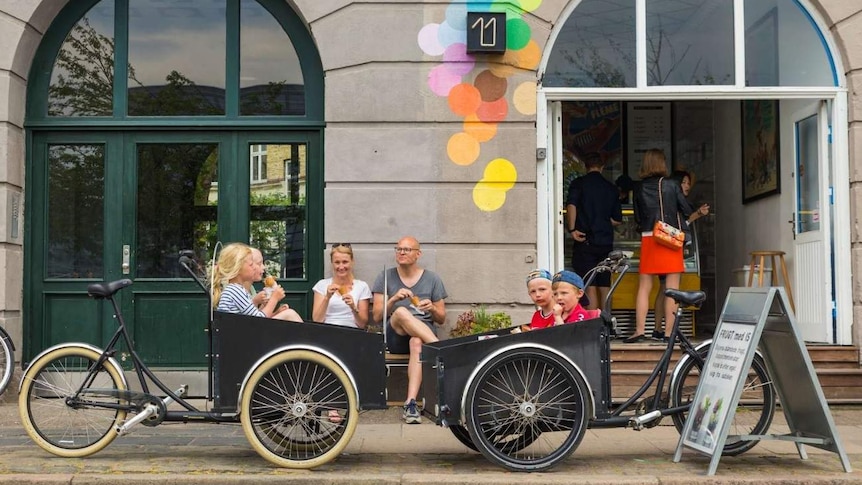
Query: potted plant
(479,320)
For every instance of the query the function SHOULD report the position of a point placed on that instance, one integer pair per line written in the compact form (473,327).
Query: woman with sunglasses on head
(342,299)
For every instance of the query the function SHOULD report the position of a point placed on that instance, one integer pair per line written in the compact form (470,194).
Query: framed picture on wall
(760,164)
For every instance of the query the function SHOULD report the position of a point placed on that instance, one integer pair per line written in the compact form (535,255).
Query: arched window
(161,126)
(602,44)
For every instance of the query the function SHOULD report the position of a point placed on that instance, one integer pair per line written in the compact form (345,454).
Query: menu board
(648,126)
(724,368)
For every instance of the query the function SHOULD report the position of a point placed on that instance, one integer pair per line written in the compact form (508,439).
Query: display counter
(627,238)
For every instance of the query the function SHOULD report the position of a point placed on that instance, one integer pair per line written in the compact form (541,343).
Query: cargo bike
(523,400)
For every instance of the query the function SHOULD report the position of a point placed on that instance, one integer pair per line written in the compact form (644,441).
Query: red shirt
(541,321)
(580,314)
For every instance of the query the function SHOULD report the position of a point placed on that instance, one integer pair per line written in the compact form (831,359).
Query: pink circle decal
(441,80)
(458,59)
(428,40)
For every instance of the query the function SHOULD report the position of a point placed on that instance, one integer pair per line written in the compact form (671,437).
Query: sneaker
(411,413)
(657,335)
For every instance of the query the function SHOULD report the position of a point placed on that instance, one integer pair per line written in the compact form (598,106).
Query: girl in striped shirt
(231,287)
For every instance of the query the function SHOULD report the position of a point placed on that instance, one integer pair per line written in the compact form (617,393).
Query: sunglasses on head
(335,245)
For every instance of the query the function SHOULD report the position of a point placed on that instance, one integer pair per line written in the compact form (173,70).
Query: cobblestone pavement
(383,451)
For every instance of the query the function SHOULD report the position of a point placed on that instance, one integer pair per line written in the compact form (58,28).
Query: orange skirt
(658,259)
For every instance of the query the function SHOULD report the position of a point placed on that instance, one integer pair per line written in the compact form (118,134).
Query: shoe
(411,413)
(657,335)
(634,339)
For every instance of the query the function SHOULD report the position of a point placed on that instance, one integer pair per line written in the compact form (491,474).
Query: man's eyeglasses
(335,245)
(401,250)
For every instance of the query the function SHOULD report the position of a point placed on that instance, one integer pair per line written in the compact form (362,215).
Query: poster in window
(592,127)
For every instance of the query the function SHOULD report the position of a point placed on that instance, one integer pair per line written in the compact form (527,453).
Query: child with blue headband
(539,288)
(568,289)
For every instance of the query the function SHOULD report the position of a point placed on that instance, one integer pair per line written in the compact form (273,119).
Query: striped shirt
(235,299)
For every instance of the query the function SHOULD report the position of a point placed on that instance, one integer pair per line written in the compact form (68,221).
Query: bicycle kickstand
(149,411)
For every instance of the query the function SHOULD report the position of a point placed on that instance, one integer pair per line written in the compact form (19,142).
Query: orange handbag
(664,233)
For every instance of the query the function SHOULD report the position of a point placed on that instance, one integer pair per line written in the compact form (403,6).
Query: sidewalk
(383,451)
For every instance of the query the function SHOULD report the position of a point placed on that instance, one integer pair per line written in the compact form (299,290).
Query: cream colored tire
(285,409)
(47,418)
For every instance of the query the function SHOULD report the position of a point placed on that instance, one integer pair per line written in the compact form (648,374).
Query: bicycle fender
(111,361)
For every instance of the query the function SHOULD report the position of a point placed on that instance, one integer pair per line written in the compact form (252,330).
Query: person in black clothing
(657,198)
(592,210)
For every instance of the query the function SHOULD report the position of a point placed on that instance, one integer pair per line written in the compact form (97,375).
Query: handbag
(664,233)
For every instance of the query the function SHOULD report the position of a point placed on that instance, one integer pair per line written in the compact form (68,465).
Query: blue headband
(539,274)
(569,277)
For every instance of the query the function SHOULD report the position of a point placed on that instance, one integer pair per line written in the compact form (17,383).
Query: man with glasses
(415,304)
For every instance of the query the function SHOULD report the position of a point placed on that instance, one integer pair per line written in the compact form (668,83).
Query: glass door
(812,286)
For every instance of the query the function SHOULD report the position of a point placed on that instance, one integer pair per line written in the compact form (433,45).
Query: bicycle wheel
(52,421)
(7,361)
(462,435)
(527,409)
(755,409)
(298,409)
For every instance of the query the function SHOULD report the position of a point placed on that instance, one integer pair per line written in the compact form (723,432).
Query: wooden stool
(761,263)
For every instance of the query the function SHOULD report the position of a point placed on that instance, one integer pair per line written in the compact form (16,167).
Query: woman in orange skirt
(656,200)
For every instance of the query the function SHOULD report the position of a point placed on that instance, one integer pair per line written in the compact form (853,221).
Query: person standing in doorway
(656,198)
(685,181)
(592,210)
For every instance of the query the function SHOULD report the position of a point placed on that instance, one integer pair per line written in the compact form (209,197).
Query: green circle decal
(517,34)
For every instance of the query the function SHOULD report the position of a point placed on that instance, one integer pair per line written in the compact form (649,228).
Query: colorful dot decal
(480,98)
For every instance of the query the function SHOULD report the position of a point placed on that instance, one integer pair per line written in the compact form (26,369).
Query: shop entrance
(722,88)
(763,166)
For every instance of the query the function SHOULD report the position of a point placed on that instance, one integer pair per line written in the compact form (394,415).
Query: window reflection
(176,206)
(270,75)
(76,179)
(689,42)
(783,47)
(595,48)
(83,74)
(176,58)
(808,194)
(278,214)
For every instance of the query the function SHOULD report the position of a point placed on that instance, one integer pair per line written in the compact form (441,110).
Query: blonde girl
(233,275)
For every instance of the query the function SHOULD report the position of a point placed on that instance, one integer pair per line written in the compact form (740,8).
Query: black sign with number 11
(486,32)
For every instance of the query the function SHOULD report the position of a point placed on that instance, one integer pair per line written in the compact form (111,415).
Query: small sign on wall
(486,32)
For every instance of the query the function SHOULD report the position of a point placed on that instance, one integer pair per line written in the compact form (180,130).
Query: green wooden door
(123,205)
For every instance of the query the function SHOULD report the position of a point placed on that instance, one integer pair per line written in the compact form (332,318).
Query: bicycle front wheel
(54,418)
(527,409)
(298,409)
(755,409)
(7,361)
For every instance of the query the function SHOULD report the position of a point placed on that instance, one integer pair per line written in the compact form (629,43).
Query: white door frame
(549,229)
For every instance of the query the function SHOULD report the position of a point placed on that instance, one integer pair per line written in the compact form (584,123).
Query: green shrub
(478,320)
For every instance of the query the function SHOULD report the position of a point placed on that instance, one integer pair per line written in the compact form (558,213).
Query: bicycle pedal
(639,422)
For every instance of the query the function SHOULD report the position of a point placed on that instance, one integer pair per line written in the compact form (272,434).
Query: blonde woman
(342,299)
(233,275)
(657,198)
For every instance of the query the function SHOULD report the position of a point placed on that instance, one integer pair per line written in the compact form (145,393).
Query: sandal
(334,417)
(634,339)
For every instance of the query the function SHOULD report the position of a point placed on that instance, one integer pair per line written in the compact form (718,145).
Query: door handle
(127,250)
(793,226)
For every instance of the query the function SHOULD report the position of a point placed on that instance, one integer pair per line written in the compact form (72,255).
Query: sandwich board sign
(757,319)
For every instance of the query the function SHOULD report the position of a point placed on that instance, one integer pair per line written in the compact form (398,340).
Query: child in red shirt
(568,289)
(539,288)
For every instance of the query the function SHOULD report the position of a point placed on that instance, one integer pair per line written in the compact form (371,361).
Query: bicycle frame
(142,371)
(659,374)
